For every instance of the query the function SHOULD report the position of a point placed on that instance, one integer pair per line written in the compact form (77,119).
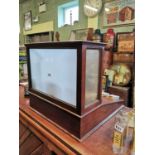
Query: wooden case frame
(83,119)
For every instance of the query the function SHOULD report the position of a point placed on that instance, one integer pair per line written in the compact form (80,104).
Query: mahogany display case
(65,85)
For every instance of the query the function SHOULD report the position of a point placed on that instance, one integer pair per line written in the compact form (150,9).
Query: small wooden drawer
(123,92)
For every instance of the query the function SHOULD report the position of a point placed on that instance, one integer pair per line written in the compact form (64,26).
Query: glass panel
(53,72)
(92,71)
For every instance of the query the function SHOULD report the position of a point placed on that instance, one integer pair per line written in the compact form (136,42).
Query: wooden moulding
(78,126)
(28,118)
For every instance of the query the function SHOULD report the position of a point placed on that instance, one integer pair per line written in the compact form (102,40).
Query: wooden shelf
(39,37)
(124,57)
(124,52)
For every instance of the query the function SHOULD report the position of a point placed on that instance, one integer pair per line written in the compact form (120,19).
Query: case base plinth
(78,126)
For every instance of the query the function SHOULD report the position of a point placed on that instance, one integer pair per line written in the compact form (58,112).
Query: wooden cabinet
(65,82)
(125,54)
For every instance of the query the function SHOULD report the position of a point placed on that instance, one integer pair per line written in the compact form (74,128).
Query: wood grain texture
(55,138)
(29,145)
(123,92)
(38,151)
(94,118)
(82,125)
(46,151)
(25,135)
(64,119)
(22,129)
(49,133)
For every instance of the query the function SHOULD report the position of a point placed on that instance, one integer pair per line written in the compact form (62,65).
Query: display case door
(54,73)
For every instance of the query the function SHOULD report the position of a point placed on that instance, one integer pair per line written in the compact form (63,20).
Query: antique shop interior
(76,77)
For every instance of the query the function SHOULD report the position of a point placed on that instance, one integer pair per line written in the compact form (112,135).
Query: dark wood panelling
(29,145)
(46,151)
(123,92)
(97,143)
(42,149)
(82,124)
(64,119)
(25,135)
(38,150)
(22,129)
(91,120)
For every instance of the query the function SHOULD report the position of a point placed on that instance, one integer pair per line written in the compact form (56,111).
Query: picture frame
(125,42)
(120,12)
(28,20)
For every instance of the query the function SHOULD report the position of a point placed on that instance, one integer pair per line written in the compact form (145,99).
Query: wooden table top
(98,143)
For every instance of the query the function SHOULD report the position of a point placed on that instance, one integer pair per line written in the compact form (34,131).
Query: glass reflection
(92,73)
(53,72)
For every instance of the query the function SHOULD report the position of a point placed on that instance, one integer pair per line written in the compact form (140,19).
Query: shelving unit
(39,37)
(127,58)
